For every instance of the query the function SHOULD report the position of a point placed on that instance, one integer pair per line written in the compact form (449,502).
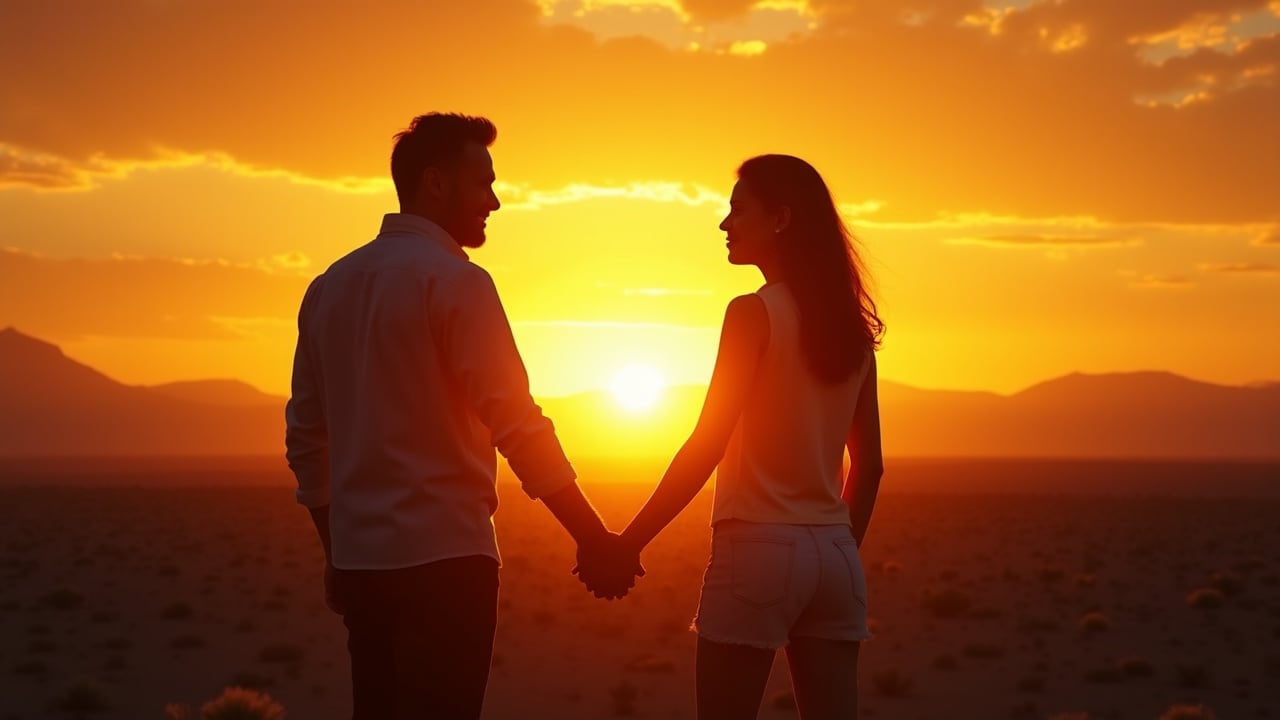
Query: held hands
(608,566)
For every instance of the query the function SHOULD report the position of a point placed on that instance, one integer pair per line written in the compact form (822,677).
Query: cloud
(665,292)
(1248,268)
(1163,282)
(602,324)
(1269,237)
(1045,241)
(521,197)
(747,48)
(135,297)
(993,119)
(41,171)
(1225,30)
(38,171)
(735,27)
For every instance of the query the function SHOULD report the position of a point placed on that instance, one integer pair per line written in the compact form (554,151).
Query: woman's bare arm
(743,338)
(866,464)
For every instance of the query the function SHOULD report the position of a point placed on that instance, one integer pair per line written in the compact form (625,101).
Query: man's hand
(330,591)
(608,567)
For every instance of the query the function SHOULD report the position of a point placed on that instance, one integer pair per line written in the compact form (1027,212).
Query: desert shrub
(1135,667)
(891,683)
(115,662)
(983,651)
(946,603)
(1031,684)
(62,599)
(945,661)
(281,653)
(1094,622)
(1104,676)
(1085,580)
(186,642)
(623,698)
(1188,712)
(251,681)
(117,643)
(81,700)
(237,703)
(1271,666)
(1051,575)
(41,646)
(1206,599)
(177,611)
(1227,583)
(651,664)
(1191,677)
(31,667)
(1037,625)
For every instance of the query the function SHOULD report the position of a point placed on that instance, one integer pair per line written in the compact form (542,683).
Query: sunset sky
(1038,187)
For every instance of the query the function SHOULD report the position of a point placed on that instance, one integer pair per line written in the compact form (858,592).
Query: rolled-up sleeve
(306,431)
(480,352)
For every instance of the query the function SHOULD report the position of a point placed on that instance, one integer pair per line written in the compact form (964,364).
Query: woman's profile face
(751,233)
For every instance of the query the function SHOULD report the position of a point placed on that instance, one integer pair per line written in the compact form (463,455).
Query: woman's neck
(772,274)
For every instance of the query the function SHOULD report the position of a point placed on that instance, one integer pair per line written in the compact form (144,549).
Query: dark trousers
(420,638)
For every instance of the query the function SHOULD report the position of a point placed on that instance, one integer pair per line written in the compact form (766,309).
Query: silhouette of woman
(794,385)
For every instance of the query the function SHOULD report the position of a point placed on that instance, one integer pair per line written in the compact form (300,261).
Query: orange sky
(1039,187)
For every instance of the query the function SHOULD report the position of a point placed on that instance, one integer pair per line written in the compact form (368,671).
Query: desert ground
(1025,590)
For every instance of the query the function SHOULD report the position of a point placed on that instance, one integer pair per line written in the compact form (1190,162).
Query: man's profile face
(470,196)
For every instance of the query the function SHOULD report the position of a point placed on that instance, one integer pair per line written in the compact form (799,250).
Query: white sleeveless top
(783,463)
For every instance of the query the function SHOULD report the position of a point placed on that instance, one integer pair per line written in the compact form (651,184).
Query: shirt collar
(418,226)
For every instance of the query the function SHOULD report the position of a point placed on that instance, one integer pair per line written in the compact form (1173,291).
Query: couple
(406,378)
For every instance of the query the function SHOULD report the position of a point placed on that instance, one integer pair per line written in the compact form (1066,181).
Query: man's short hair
(434,140)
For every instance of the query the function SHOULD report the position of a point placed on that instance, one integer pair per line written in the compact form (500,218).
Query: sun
(637,387)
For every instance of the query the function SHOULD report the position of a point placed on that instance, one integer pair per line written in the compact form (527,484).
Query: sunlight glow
(637,387)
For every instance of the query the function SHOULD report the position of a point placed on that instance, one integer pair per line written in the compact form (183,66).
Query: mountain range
(52,405)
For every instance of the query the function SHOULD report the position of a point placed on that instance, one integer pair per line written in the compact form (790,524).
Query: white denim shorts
(766,584)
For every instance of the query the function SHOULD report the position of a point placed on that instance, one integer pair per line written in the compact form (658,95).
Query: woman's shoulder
(751,305)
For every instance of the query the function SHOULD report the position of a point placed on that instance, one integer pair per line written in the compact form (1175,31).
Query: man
(405,379)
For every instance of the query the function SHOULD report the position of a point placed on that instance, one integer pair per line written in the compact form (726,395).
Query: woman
(794,384)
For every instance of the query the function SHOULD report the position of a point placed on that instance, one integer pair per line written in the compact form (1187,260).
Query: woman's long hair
(838,320)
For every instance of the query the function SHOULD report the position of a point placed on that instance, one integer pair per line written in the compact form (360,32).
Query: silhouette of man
(405,379)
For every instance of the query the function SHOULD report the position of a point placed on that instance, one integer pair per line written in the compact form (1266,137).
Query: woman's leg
(824,674)
(731,680)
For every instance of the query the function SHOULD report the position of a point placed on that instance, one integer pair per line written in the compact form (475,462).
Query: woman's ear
(784,219)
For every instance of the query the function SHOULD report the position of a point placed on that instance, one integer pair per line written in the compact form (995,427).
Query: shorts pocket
(761,570)
(848,550)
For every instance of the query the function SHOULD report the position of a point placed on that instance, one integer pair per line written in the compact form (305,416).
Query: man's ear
(434,183)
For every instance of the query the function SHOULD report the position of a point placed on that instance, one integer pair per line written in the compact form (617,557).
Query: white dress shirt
(405,379)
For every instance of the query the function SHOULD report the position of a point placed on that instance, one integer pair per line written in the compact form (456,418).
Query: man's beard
(466,230)
(474,239)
